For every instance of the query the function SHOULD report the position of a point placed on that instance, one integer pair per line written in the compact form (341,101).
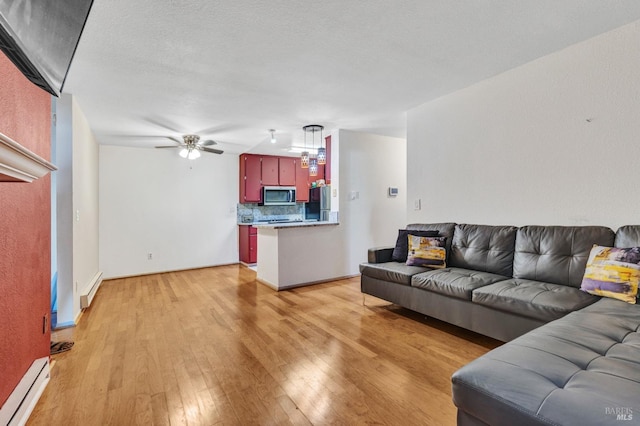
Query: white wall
(181,211)
(367,166)
(85,204)
(77,207)
(555,141)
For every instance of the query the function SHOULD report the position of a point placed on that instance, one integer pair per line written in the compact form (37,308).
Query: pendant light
(311,161)
(304,157)
(313,167)
(322,151)
(273,137)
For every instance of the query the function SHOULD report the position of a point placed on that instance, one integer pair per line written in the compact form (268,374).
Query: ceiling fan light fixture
(273,136)
(191,145)
(193,154)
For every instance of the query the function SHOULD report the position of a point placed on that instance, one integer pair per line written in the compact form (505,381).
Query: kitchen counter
(280,225)
(299,253)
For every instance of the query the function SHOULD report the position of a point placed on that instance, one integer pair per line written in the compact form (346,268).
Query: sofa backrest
(628,236)
(444,230)
(483,248)
(556,254)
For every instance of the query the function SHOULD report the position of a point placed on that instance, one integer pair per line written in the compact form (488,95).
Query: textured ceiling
(229,70)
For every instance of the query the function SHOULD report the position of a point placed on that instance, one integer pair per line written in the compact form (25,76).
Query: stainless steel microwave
(279,195)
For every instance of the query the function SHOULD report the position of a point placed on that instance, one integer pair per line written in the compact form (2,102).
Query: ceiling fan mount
(191,146)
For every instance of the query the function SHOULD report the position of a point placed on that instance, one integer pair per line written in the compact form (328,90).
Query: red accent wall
(25,232)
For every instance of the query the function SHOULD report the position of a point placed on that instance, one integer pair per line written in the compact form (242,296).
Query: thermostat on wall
(393,191)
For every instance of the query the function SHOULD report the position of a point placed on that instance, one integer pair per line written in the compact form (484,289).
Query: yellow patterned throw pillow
(427,251)
(613,272)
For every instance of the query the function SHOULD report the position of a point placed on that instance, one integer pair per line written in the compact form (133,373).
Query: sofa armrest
(379,254)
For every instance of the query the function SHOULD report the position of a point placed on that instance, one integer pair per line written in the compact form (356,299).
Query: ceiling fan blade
(169,146)
(176,140)
(213,150)
(208,142)
(163,122)
(219,129)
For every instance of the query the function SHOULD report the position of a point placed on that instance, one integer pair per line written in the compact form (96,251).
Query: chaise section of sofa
(583,369)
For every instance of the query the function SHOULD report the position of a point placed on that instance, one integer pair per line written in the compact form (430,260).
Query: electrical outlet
(149,256)
(417,204)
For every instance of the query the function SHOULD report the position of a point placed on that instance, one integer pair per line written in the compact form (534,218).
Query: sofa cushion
(427,251)
(533,299)
(583,369)
(556,254)
(390,271)
(402,243)
(455,282)
(613,272)
(628,236)
(483,248)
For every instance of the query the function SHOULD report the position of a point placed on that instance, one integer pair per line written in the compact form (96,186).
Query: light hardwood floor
(212,346)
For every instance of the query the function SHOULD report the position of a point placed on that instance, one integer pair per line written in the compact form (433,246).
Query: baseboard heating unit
(90,291)
(23,399)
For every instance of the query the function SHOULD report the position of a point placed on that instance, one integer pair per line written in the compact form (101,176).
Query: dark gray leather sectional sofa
(582,368)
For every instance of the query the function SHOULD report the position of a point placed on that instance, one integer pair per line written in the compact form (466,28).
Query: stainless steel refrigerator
(319,205)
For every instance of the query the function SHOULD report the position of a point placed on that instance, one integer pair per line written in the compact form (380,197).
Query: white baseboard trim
(166,271)
(291,286)
(87,295)
(23,399)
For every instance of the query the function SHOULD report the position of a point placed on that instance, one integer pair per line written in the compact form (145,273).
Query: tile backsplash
(250,212)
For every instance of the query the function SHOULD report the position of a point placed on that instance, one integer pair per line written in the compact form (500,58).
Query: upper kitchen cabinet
(270,171)
(287,172)
(250,178)
(257,171)
(278,171)
(302,183)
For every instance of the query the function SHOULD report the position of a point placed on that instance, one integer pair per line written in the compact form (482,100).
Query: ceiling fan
(191,146)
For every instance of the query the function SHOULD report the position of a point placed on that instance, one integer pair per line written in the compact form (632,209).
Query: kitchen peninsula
(298,253)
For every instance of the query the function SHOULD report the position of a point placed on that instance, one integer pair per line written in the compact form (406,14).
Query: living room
(541,142)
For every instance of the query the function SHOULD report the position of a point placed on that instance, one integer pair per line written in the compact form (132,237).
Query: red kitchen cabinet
(287,171)
(270,173)
(302,183)
(250,179)
(253,248)
(257,171)
(248,244)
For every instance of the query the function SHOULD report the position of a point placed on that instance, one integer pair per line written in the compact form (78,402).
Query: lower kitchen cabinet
(248,243)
